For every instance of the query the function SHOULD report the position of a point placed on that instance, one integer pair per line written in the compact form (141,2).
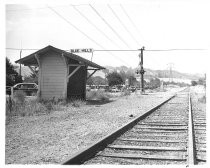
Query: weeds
(20,106)
(77,102)
(19,96)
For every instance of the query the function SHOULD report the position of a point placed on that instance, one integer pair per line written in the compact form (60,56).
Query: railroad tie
(153,148)
(139,156)
(151,140)
(163,128)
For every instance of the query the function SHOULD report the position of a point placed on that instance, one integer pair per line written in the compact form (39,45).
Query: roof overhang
(31,60)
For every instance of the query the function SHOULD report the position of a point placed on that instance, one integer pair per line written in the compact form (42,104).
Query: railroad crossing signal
(141,70)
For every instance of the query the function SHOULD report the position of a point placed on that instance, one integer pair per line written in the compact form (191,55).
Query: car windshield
(25,86)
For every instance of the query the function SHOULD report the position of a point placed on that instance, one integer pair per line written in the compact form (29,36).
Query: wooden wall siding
(77,83)
(72,61)
(53,76)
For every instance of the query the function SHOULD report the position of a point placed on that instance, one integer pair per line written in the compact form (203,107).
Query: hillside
(158,73)
(148,74)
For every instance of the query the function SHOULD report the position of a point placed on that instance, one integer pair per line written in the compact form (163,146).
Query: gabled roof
(31,60)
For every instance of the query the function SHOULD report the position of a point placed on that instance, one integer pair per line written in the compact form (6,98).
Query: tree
(12,77)
(129,73)
(97,80)
(132,80)
(123,75)
(194,83)
(154,83)
(201,81)
(114,78)
(90,80)
(32,78)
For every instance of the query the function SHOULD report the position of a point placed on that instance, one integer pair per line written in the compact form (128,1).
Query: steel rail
(87,153)
(191,137)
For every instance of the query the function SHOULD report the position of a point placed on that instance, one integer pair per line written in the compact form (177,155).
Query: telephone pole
(170,65)
(20,64)
(141,71)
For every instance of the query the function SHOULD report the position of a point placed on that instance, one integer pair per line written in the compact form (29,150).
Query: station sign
(89,50)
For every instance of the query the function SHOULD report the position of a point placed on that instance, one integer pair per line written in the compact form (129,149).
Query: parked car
(114,89)
(88,88)
(28,88)
(132,88)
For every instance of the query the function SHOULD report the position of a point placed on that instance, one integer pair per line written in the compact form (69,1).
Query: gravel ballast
(54,137)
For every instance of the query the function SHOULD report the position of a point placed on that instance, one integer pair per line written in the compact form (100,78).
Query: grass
(63,133)
(77,103)
(22,106)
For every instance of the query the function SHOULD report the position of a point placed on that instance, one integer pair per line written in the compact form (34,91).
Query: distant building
(62,75)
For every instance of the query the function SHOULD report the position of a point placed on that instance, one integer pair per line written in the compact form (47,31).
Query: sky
(122,25)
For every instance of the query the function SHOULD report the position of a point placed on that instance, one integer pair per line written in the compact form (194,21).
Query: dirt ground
(53,138)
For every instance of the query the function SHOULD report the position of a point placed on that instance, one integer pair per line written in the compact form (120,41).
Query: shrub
(98,95)
(101,95)
(202,99)
(125,92)
(91,95)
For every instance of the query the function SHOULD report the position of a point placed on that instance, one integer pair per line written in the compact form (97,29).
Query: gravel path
(52,138)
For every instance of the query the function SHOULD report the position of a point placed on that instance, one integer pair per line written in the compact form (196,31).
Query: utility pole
(20,64)
(92,57)
(141,71)
(170,71)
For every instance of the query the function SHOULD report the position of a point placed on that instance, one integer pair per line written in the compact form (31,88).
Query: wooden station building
(61,74)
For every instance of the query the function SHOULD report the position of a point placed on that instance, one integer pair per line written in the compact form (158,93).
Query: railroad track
(199,124)
(163,135)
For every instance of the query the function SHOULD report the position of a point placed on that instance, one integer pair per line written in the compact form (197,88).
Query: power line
(134,25)
(89,21)
(13,10)
(108,25)
(181,49)
(84,33)
(115,14)
(20,49)
(75,27)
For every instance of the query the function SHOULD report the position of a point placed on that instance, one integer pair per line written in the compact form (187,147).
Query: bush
(91,95)
(125,92)
(202,99)
(98,95)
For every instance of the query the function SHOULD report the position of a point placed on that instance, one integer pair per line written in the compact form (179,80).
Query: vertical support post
(142,71)
(85,81)
(66,78)
(39,77)
(20,63)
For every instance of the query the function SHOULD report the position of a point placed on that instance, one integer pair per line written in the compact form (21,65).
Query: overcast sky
(154,24)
